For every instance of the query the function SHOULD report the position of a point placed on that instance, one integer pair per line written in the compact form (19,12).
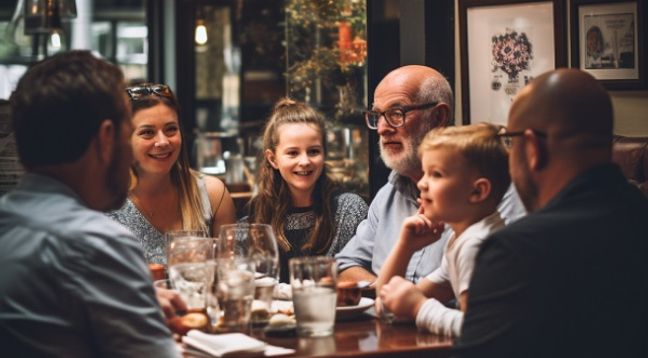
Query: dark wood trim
(155,24)
(440,39)
(383,55)
(186,65)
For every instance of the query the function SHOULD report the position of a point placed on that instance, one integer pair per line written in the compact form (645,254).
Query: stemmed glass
(256,242)
(187,246)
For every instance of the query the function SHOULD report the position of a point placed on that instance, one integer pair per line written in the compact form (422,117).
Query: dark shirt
(569,280)
(350,209)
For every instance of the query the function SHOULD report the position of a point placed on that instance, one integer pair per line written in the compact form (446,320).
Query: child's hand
(401,297)
(419,231)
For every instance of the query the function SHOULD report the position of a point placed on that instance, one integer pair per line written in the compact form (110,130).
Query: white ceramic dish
(347,312)
(344,312)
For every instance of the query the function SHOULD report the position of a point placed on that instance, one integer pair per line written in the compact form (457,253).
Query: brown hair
(481,147)
(272,202)
(182,176)
(60,103)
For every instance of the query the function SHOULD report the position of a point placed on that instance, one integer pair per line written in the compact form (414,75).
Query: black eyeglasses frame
(374,116)
(507,137)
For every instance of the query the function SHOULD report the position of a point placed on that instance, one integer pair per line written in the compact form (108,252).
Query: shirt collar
(34,182)
(404,185)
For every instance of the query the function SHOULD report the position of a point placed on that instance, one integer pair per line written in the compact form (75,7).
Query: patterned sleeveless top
(151,240)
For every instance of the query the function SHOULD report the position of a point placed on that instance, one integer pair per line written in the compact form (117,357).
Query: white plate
(282,305)
(345,312)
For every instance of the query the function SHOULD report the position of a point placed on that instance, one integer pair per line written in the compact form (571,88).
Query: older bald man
(570,279)
(408,103)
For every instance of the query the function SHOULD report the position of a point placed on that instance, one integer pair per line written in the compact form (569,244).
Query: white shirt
(456,268)
(460,252)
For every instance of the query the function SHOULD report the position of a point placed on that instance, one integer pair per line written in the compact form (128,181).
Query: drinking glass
(187,255)
(235,292)
(192,281)
(188,246)
(313,281)
(256,242)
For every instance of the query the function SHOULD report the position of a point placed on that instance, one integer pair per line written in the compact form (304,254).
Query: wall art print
(608,41)
(512,53)
(504,45)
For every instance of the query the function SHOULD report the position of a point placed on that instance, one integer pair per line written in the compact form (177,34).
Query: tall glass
(235,292)
(313,281)
(188,246)
(189,273)
(256,242)
(192,281)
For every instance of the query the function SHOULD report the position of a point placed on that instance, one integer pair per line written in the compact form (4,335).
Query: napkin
(223,345)
(282,291)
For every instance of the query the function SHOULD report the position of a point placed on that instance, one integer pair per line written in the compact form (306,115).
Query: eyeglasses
(137,92)
(394,116)
(507,137)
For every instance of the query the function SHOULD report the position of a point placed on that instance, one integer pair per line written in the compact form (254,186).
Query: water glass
(192,281)
(313,282)
(188,248)
(235,292)
(256,242)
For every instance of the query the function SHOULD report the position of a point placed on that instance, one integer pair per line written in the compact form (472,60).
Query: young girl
(295,195)
(465,175)
(166,194)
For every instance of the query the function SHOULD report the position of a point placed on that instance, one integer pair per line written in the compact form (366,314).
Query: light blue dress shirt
(73,283)
(377,235)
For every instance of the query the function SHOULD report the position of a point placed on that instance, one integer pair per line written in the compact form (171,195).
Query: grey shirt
(377,234)
(151,239)
(350,209)
(72,282)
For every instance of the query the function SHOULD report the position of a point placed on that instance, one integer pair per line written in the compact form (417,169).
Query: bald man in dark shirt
(570,279)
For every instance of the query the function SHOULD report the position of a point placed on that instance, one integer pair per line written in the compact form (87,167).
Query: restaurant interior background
(229,61)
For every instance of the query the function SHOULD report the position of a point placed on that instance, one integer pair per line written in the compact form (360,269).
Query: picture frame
(608,41)
(504,44)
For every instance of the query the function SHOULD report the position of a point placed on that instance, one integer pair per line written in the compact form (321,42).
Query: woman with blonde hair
(166,194)
(295,195)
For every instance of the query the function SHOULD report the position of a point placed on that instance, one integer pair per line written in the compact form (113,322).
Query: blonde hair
(183,177)
(482,149)
(273,201)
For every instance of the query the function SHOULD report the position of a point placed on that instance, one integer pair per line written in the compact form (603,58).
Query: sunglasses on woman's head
(137,92)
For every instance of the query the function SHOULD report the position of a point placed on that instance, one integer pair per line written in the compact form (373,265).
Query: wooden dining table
(367,336)
(364,335)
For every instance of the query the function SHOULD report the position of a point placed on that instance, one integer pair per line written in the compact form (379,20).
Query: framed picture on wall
(608,41)
(505,44)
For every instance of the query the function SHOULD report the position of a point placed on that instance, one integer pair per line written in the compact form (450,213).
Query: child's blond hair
(482,149)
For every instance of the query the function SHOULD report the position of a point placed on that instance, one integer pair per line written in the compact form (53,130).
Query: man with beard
(408,103)
(570,279)
(73,283)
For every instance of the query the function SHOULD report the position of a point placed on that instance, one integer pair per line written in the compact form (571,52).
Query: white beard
(407,161)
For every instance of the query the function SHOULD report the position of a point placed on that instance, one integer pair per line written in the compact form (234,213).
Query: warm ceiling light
(201,33)
(55,40)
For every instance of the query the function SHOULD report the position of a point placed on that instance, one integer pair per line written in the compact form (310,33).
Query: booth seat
(631,154)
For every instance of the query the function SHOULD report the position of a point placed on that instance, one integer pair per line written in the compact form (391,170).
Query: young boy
(465,175)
